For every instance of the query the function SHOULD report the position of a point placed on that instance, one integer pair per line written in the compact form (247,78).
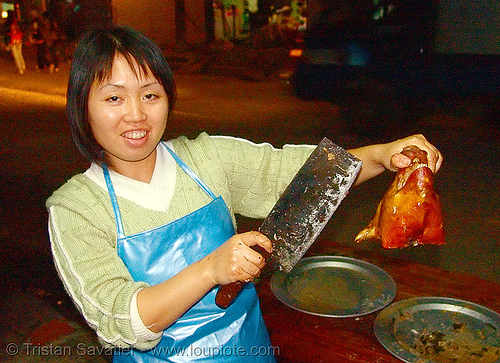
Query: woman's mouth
(135,134)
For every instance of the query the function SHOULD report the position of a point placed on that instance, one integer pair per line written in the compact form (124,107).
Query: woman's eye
(150,96)
(113,99)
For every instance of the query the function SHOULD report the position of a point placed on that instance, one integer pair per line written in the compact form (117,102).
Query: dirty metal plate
(441,330)
(334,286)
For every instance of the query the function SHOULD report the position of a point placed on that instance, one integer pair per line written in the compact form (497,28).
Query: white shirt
(156,195)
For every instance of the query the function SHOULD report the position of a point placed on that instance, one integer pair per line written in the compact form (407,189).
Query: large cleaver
(303,210)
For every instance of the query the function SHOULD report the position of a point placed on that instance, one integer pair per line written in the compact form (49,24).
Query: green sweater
(249,177)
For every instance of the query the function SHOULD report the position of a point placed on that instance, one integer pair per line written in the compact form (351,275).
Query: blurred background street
(254,102)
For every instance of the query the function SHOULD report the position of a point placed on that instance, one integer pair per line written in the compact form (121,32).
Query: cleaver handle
(227,293)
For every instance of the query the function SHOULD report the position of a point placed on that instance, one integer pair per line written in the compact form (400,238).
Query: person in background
(52,41)
(144,237)
(14,39)
(37,37)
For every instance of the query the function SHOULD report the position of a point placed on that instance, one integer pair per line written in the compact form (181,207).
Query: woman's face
(128,115)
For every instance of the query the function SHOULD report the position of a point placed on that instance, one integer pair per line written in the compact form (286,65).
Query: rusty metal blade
(308,203)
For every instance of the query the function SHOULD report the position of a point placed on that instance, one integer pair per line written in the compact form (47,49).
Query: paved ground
(41,325)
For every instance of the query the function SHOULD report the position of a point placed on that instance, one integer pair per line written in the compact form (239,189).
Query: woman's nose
(135,111)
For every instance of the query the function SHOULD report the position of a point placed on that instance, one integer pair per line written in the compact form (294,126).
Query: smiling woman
(145,236)
(128,115)
(93,65)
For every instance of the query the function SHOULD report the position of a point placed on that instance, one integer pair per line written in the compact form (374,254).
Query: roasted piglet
(410,212)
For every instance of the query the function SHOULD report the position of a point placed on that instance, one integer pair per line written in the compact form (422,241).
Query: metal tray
(441,330)
(334,286)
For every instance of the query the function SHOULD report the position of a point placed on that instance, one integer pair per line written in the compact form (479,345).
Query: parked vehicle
(377,59)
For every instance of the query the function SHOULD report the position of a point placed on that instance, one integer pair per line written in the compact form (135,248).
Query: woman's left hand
(380,157)
(394,160)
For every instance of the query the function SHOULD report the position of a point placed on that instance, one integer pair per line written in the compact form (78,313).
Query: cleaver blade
(303,210)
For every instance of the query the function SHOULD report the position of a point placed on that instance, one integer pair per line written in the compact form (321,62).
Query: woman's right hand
(162,304)
(236,261)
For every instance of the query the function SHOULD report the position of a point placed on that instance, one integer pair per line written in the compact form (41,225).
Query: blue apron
(205,332)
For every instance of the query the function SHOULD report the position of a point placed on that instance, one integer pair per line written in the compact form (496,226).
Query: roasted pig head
(410,212)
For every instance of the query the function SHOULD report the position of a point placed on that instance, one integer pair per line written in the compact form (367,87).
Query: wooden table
(308,338)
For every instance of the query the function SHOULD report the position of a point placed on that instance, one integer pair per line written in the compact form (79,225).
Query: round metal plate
(334,286)
(439,329)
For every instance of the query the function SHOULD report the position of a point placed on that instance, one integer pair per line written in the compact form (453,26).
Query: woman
(15,41)
(145,236)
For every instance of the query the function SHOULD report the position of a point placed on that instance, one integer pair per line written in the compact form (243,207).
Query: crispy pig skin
(410,212)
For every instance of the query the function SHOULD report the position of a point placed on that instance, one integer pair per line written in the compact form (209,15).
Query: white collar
(156,195)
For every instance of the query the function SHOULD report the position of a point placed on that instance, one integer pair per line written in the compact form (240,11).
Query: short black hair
(93,61)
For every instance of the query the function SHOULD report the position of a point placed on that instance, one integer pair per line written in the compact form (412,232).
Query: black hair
(93,61)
